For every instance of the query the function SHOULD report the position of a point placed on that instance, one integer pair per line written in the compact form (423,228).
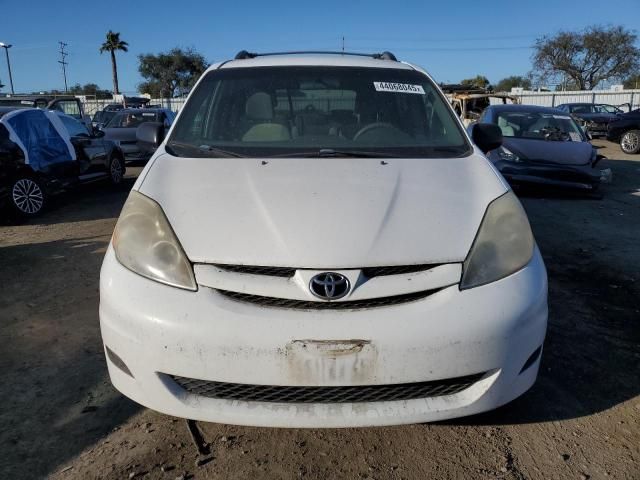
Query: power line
(64,63)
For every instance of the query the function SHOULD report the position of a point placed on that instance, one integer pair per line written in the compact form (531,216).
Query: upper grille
(368,272)
(371,272)
(323,305)
(341,394)
(258,270)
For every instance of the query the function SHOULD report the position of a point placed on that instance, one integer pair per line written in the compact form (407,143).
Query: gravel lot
(61,418)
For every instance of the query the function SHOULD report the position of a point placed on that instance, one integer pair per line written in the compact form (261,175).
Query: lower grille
(272,302)
(348,394)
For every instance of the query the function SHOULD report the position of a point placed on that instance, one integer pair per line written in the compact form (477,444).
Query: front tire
(630,142)
(116,171)
(27,196)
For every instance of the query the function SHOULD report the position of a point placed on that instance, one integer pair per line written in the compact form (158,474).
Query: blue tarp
(41,136)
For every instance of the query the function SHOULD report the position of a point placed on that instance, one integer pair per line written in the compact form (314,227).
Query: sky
(452,39)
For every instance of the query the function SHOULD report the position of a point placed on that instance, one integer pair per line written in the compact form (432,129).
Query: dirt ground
(60,417)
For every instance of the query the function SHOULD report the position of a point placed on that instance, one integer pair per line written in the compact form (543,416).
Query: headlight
(505,154)
(503,245)
(145,244)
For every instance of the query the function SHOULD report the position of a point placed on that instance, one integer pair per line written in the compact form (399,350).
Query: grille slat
(371,272)
(258,270)
(340,394)
(272,302)
(368,272)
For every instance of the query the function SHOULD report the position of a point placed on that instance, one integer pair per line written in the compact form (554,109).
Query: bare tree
(587,58)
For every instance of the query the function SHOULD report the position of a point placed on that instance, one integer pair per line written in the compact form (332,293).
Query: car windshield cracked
(317,112)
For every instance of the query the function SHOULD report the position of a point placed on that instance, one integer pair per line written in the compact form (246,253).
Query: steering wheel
(372,126)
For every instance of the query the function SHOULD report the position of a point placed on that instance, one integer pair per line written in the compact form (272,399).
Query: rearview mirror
(486,136)
(150,134)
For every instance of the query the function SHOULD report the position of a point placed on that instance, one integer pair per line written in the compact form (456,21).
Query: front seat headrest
(259,107)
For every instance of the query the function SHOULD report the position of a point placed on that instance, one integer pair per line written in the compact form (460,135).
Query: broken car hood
(549,151)
(323,212)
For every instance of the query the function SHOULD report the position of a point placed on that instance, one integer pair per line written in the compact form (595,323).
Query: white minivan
(317,242)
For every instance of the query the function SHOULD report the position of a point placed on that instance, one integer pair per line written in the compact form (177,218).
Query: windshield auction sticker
(398,88)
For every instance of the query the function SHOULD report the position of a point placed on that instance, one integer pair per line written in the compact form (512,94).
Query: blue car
(543,146)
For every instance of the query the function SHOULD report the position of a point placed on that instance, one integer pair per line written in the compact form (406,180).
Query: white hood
(323,212)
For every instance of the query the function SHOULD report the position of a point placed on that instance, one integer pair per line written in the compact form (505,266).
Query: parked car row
(609,121)
(44,151)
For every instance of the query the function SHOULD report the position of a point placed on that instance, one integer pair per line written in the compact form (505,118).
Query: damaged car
(544,146)
(317,242)
(595,117)
(43,152)
(626,131)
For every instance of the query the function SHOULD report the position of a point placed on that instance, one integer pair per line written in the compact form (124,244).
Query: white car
(319,243)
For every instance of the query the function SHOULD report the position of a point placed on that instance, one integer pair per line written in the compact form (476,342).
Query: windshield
(605,109)
(539,126)
(131,119)
(271,111)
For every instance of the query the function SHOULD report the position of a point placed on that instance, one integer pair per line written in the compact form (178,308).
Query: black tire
(116,170)
(630,142)
(27,196)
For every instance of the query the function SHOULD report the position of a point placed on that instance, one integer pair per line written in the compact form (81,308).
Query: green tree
(112,45)
(514,81)
(588,57)
(632,81)
(171,73)
(479,81)
(90,89)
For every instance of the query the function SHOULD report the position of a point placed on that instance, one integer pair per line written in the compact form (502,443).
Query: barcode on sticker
(398,88)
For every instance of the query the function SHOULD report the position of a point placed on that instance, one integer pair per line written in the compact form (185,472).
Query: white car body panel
(324,212)
(159,330)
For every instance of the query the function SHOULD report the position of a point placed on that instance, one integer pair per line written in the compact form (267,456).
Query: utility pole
(6,52)
(64,63)
(343,44)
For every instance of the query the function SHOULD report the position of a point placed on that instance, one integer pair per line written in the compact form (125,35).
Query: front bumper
(579,177)
(158,331)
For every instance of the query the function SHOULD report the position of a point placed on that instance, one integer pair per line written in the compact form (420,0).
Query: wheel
(630,142)
(116,170)
(27,196)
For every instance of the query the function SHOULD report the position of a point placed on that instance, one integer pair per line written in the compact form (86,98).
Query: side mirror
(486,136)
(150,135)
(97,133)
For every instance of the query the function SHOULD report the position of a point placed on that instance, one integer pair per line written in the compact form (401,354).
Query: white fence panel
(551,99)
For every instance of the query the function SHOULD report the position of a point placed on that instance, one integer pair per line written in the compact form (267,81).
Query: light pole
(6,52)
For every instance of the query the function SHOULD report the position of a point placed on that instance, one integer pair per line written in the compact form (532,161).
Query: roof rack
(243,54)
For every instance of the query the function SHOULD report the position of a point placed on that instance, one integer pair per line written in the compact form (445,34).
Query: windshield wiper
(201,151)
(330,152)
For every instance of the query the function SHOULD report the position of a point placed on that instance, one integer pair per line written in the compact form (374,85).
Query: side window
(581,109)
(116,122)
(70,107)
(74,127)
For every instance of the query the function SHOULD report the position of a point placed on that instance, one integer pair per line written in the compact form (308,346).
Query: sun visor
(41,136)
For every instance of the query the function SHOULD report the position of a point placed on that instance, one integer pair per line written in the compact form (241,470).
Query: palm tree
(112,44)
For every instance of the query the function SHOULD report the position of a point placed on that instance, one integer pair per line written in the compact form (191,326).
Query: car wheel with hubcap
(630,142)
(116,170)
(27,196)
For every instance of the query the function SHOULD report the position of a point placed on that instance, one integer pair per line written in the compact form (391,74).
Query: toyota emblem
(329,285)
